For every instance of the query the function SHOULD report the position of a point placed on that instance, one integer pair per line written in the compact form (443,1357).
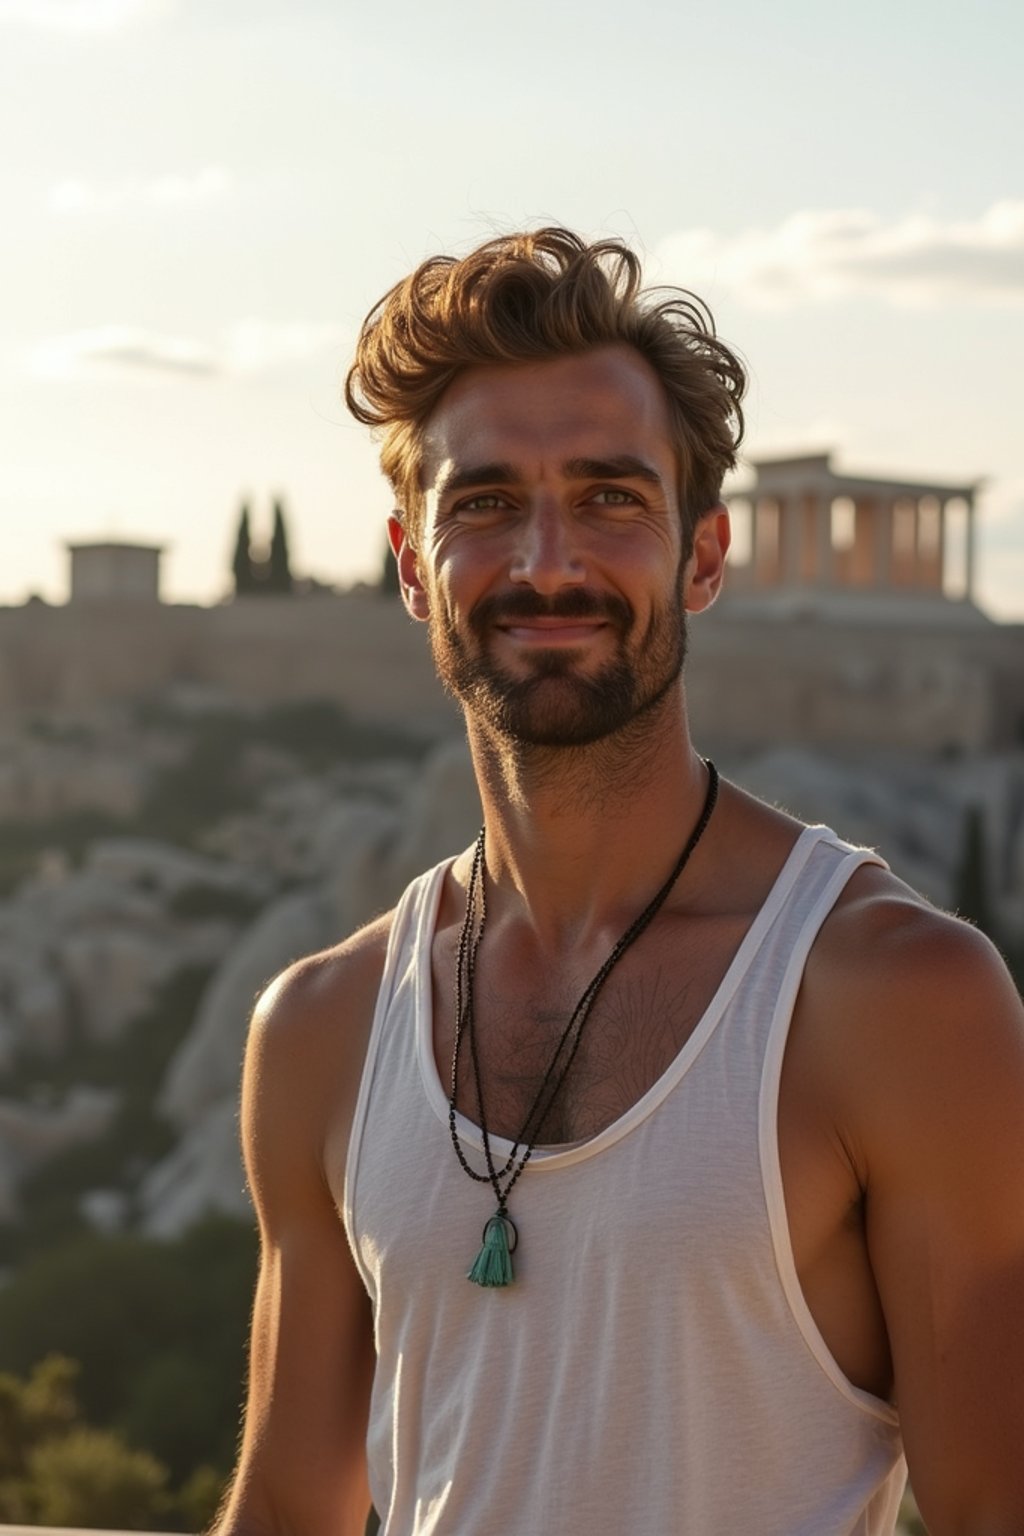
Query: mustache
(577,603)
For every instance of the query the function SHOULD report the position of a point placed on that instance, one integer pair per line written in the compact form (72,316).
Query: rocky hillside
(159,865)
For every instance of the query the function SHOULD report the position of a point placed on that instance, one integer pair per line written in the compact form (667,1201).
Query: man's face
(551,564)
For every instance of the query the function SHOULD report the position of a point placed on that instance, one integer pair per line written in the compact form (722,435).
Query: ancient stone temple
(848,621)
(817,531)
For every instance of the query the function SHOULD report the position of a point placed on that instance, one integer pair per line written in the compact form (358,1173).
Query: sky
(202,199)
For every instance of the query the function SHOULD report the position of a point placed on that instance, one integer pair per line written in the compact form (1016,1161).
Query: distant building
(115,571)
(821,535)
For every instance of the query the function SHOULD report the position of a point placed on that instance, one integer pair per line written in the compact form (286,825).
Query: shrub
(90,1477)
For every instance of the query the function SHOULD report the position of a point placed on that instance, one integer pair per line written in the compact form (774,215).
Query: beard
(556,704)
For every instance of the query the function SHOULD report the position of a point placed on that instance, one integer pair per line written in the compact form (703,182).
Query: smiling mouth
(553,632)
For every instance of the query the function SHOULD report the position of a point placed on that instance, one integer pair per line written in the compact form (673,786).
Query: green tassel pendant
(493,1264)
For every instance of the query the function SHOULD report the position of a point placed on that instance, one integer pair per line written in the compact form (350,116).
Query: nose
(547,556)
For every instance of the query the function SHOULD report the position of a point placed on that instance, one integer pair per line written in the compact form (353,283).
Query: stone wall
(754,680)
(357,649)
(803,681)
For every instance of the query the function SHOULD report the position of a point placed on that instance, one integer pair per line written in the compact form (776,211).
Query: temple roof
(814,472)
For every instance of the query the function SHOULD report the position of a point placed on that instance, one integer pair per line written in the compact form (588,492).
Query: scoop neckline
(544,1159)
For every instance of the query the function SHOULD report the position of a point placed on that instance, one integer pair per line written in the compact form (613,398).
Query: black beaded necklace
(493,1264)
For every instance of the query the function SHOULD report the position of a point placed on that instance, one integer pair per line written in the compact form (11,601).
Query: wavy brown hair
(524,298)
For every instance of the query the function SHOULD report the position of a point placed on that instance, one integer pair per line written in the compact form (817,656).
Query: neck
(577,837)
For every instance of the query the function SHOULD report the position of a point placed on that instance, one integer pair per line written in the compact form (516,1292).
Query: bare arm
(302,1469)
(936,1121)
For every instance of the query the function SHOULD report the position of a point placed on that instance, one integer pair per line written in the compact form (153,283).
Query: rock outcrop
(31,1134)
(364,856)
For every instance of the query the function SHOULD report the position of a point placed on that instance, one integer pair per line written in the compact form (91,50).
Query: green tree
(279,574)
(971,895)
(388,584)
(90,1477)
(200,1498)
(159,1328)
(34,1410)
(54,1470)
(242,566)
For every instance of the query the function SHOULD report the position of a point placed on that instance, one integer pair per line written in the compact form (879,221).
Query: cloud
(118,346)
(77,196)
(822,256)
(249,347)
(81,16)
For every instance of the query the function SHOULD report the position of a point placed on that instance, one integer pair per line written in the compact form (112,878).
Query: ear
(413,593)
(705,569)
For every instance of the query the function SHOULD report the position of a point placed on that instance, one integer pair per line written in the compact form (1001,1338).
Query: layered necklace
(493,1264)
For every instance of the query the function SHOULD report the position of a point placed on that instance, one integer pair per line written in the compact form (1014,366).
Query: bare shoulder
(325,993)
(304,1058)
(884,947)
(916,1008)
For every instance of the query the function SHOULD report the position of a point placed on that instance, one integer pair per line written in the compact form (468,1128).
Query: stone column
(883,542)
(915,546)
(970,553)
(942,543)
(863,552)
(929,543)
(825,564)
(790,539)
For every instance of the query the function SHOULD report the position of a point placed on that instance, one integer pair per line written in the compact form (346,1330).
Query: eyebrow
(622,466)
(479,474)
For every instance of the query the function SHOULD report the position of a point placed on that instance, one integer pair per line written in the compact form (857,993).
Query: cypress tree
(279,574)
(241,564)
(388,584)
(971,890)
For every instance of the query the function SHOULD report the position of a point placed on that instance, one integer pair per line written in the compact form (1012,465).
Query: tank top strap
(828,873)
(404,954)
(811,882)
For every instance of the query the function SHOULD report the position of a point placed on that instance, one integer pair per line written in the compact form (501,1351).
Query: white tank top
(654,1367)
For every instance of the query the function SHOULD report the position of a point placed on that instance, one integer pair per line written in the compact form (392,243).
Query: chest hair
(638,1025)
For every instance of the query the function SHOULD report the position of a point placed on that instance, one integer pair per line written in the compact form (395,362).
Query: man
(658,1164)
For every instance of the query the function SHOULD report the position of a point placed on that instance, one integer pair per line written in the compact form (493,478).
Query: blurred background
(221,744)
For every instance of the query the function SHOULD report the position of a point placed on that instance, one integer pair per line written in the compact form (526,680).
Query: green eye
(613,496)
